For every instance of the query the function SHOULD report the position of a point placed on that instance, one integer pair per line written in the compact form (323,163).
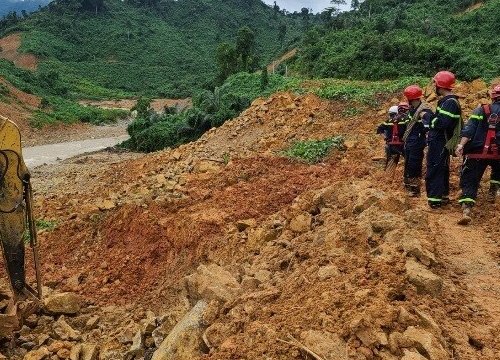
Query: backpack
(452,143)
(493,121)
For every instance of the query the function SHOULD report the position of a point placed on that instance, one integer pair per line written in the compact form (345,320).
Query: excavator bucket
(17,227)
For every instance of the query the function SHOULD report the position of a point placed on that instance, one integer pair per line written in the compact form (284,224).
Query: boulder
(62,331)
(39,354)
(301,223)
(212,282)
(414,248)
(325,344)
(89,352)
(424,342)
(185,341)
(242,225)
(425,280)
(63,304)
(137,348)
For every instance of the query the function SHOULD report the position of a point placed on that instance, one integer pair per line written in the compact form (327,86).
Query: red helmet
(403,107)
(444,80)
(413,92)
(495,92)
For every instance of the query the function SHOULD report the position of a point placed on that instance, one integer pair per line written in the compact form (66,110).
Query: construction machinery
(17,229)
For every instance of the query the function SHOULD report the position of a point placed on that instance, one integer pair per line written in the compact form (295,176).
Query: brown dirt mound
(333,254)
(9,50)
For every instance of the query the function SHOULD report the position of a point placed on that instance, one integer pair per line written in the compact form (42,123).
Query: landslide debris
(223,249)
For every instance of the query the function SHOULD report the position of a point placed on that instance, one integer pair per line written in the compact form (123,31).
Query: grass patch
(48,225)
(313,151)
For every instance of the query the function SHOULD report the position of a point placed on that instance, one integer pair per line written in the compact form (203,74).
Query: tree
(336,3)
(227,61)
(264,79)
(245,47)
(355,4)
(282,29)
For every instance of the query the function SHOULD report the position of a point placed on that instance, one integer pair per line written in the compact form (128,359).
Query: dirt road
(49,154)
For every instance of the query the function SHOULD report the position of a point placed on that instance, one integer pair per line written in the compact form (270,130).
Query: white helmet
(393,109)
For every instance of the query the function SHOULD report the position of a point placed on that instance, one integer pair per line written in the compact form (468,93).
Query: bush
(313,151)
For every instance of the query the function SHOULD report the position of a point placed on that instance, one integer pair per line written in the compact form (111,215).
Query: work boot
(466,214)
(492,193)
(412,186)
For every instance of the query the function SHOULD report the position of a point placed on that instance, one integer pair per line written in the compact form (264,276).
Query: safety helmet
(403,107)
(393,110)
(413,92)
(444,80)
(495,92)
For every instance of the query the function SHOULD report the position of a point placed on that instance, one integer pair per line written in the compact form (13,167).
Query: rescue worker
(393,130)
(414,139)
(443,136)
(475,146)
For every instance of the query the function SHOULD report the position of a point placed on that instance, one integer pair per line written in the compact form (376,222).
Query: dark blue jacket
(477,128)
(448,114)
(416,137)
(386,128)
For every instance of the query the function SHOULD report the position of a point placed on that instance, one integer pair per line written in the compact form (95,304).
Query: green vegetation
(313,151)
(387,39)
(114,48)
(152,132)
(55,106)
(48,225)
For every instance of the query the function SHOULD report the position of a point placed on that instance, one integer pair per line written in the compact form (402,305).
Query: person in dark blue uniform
(414,139)
(444,135)
(479,146)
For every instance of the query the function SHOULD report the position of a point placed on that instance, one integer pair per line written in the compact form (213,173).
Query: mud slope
(269,257)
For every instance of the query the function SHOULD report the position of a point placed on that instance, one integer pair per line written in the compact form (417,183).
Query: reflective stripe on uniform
(434,200)
(495,182)
(467,200)
(476,117)
(447,113)
(433,123)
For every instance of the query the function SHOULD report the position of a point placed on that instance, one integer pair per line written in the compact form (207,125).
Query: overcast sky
(296,5)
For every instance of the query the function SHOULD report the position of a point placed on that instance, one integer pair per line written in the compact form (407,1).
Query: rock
(89,352)
(62,331)
(31,320)
(427,322)
(63,304)
(212,282)
(206,167)
(259,236)
(263,275)
(425,281)
(106,204)
(414,248)
(325,344)
(327,272)
(185,341)
(424,342)
(75,352)
(412,355)
(126,336)
(149,324)
(92,322)
(2,357)
(137,348)
(242,225)
(63,354)
(301,223)
(249,283)
(38,354)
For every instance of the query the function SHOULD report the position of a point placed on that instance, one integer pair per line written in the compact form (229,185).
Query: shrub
(313,151)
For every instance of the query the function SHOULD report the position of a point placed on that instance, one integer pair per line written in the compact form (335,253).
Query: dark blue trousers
(471,175)
(437,180)
(414,158)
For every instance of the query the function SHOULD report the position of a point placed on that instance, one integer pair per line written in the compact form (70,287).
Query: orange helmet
(495,92)
(444,80)
(413,92)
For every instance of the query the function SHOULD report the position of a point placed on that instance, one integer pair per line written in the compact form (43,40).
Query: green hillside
(386,39)
(159,48)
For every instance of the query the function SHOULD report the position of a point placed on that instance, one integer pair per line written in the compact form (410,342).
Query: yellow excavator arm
(16,226)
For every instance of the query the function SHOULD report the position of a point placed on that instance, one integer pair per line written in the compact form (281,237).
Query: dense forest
(161,48)
(384,39)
